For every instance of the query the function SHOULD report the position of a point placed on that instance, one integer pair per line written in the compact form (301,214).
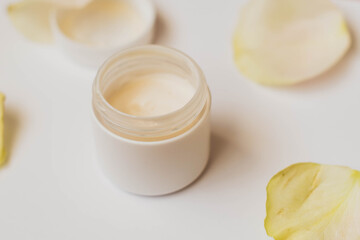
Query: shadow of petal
(12,124)
(162,30)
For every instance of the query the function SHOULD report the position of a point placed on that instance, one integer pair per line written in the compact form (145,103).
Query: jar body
(151,155)
(153,168)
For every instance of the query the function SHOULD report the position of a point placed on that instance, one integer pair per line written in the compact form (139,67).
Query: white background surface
(51,189)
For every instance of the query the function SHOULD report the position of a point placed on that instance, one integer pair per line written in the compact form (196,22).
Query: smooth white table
(51,188)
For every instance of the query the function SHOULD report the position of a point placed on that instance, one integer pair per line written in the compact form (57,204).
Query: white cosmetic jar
(153,155)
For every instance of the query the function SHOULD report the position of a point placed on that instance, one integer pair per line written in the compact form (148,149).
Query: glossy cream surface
(152,94)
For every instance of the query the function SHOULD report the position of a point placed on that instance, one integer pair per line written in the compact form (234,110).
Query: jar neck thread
(149,128)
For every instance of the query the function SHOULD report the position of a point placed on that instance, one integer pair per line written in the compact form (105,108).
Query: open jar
(151,107)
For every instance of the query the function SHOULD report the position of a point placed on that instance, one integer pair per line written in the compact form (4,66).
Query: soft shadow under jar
(151,108)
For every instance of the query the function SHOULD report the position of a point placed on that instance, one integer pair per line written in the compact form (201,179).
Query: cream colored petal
(2,149)
(283,42)
(32,20)
(310,201)
(72,3)
(65,3)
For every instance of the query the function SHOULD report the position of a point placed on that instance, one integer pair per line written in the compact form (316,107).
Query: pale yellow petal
(283,42)
(65,3)
(31,18)
(309,201)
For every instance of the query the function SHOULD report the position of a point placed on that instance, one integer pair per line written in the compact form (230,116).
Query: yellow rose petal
(281,42)
(65,3)
(309,201)
(31,18)
(2,149)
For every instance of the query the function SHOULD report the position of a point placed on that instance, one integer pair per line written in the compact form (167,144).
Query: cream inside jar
(151,94)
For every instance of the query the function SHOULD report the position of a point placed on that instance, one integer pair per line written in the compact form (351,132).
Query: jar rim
(195,105)
(102,70)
